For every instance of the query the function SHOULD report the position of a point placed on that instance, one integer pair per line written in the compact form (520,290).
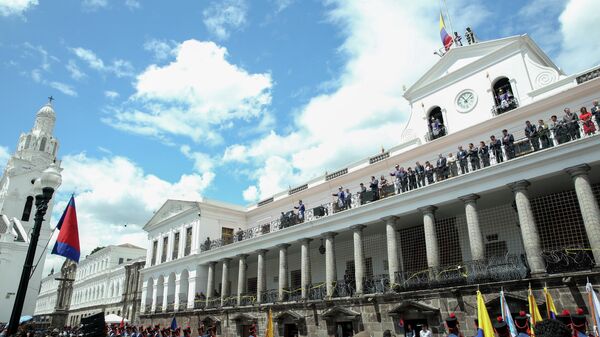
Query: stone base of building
(395,311)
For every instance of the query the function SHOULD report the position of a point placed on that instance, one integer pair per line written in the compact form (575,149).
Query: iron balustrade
(230,301)
(343,288)
(247,299)
(270,296)
(170,307)
(158,308)
(213,303)
(182,304)
(430,135)
(568,260)
(379,284)
(317,291)
(148,308)
(199,303)
(511,104)
(294,295)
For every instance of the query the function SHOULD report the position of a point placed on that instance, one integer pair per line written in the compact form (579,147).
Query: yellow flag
(550,308)
(269,331)
(483,318)
(534,312)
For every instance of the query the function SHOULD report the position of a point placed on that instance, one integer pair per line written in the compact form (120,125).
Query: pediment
(245,317)
(413,306)
(169,209)
(288,314)
(338,311)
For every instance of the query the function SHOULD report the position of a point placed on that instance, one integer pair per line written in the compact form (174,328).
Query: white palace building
(410,257)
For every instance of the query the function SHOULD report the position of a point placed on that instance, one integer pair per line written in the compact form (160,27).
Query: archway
(503,95)
(160,286)
(149,293)
(435,123)
(183,289)
(171,292)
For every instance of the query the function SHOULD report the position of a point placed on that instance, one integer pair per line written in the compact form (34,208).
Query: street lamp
(43,189)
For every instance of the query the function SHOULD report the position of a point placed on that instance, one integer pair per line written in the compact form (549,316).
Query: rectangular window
(175,251)
(120,260)
(296,279)
(252,285)
(188,241)
(154,249)
(163,258)
(227,235)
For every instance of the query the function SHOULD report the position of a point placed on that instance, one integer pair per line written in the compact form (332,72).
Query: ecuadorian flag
(485,328)
(67,243)
(550,304)
(446,39)
(534,312)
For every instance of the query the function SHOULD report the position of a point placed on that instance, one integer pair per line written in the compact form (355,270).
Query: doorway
(344,329)
(413,327)
(245,330)
(290,330)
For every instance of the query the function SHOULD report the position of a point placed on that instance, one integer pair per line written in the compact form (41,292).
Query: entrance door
(290,330)
(246,330)
(412,327)
(344,329)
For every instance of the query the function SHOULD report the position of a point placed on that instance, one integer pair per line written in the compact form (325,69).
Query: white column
(182,239)
(143,299)
(330,268)
(165,294)
(588,206)
(210,283)
(431,243)
(305,272)
(474,230)
(241,285)
(283,271)
(160,249)
(392,247)
(154,293)
(224,280)
(170,245)
(359,260)
(529,232)
(261,285)
(177,290)
(193,276)
(196,237)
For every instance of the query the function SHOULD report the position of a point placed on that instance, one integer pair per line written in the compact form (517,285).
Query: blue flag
(173,324)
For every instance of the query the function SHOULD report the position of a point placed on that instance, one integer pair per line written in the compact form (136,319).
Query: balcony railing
(170,307)
(317,291)
(182,304)
(214,302)
(510,104)
(199,303)
(230,301)
(430,135)
(568,260)
(247,299)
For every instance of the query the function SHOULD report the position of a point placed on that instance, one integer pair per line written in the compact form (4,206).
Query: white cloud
(16,7)
(250,194)
(221,17)
(133,4)
(63,87)
(111,94)
(114,191)
(93,5)
(202,161)
(161,49)
(74,70)
(282,4)
(4,155)
(364,110)
(118,67)
(196,95)
(579,38)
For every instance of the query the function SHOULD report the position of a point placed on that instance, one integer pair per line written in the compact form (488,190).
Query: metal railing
(213,302)
(317,291)
(247,299)
(230,301)
(182,305)
(199,303)
(430,135)
(510,104)
(568,260)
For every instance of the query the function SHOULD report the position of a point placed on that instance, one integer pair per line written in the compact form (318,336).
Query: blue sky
(232,99)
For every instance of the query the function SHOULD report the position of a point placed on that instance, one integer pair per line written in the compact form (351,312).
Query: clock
(466,100)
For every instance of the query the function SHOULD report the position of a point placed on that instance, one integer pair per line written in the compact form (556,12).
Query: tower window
(28,141)
(43,144)
(27,209)
(436,125)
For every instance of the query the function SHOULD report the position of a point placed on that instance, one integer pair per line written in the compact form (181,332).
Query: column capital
(305,241)
(330,235)
(357,227)
(469,198)
(391,218)
(226,260)
(283,245)
(578,170)
(242,256)
(520,185)
(430,209)
(261,251)
(211,263)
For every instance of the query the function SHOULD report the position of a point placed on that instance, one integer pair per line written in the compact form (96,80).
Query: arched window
(27,209)
(43,144)
(28,141)
(54,149)
(503,96)
(435,123)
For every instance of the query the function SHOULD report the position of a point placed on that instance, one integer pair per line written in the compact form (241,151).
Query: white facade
(36,151)
(99,282)
(173,279)
(46,301)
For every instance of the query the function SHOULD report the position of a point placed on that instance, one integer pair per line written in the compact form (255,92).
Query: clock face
(466,101)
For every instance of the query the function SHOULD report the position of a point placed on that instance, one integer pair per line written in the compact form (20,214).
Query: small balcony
(505,106)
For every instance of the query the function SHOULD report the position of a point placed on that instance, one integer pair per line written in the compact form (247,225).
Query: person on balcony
(420,171)
(436,128)
(451,161)
(544,134)
(207,243)
(496,147)
(341,198)
(441,168)
(586,118)
(374,188)
(348,200)
(362,193)
(383,185)
(508,141)
(400,176)
(412,179)
(559,130)
(462,156)
(595,110)
(484,154)
(301,209)
(240,234)
(531,133)
(429,172)
(505,98)
(572,122)
(474,157)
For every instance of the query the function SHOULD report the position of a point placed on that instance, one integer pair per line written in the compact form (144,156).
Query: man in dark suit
(462,155)
(474,157)
(508,141)
(441,168)
(484,154)
(532,134)
(496,148)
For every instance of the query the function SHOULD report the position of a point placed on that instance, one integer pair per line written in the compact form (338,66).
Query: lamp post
(44,189)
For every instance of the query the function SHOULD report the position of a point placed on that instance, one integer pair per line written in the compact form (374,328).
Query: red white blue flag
(67,243)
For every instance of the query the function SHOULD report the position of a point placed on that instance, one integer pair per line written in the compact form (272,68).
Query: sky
(233,100)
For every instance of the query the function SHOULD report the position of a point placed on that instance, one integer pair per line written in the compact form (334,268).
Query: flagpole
(449,20)
(546,295)
(592,307)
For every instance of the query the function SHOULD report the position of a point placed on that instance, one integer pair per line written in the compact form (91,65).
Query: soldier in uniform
(452,325)
(580,324)
(484,154)
(565,318)
(522,324)
(508,141)
(531,133)
(572,122)
(496,148)
(420,171)
(474,157)
(501,327)
(462,155)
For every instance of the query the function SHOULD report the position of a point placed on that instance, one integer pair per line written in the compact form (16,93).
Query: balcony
(510,104)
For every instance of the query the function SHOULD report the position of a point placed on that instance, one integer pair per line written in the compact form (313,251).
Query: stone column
(588,206)
(241,285)
(359,258)
(192,279)
(165,295)
(392,247)
(261,284)
(473,228)
(177,290)
(529,232)
(210,283)
(283,272)
(306,277)
(431,243)
(330,268)
(142,300)
(225,280)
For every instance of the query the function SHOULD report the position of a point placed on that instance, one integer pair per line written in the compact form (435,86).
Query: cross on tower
(50,99)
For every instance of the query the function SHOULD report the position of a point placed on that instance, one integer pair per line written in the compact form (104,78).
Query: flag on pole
(174,324)
(507,316)
(550,308)
(485,327)
(67,243)
(595,305)
(534,312)
(446,38)
(269,330)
